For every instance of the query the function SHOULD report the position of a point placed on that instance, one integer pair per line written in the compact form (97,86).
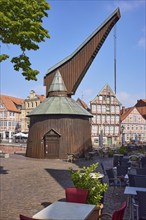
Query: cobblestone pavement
(28,185)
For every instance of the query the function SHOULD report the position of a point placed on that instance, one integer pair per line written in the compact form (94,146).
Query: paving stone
(28,184)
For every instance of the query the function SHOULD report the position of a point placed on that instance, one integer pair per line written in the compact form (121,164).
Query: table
(94,175)
(66,211)
(131,191)
(100,175)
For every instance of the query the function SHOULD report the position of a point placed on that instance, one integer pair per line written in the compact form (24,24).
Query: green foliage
(122,150)
(21,24)
(110,152)
(83,179)
(3,57)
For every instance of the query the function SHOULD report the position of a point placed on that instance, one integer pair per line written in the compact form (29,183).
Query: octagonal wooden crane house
(59,125)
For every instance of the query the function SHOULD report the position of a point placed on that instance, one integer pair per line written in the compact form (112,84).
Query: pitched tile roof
(11,103)
(83,104)
(126,112)
(41,97)
(141,107)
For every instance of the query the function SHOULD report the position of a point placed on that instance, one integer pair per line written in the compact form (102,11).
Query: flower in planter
(84,179)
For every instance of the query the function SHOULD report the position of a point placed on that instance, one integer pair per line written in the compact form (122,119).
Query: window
(12,114)
(103,118)
(108,100)
(134,118)
(103,108)
(112,109)
(112,99)
(111,129)
(100,98)
(112,119)
(96,140)
(107,129)
(94,129)
(1,123)
(93,108)
(116,129)
(117,109)
(98,108)
(117,119)
(104,99)
(94,119)
(107,108)
(98,119)
(108,119)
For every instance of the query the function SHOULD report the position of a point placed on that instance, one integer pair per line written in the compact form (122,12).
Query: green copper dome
(59,104)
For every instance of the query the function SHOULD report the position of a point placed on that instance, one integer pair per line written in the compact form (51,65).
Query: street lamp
(122,130)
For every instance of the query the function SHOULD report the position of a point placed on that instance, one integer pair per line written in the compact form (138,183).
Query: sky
(69,23)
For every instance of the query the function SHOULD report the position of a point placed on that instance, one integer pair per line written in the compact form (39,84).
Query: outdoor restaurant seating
(140,181)
(131,180)
(143,162)
(121,172)
(125,162)
(112,179)
(76,195)
(103,169)
(141,196)
(134,181)
(134,160)
(141,171)
(117,214)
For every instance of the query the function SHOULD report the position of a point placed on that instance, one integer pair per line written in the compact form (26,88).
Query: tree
(21,24)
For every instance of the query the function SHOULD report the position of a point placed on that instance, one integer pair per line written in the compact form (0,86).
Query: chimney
(123,110)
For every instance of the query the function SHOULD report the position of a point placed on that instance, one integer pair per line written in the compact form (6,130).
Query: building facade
(133,126)
(10,116)
(31,102)
(141,107)
(105,124)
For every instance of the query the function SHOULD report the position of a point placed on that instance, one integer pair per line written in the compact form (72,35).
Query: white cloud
(142,42)
(127,100)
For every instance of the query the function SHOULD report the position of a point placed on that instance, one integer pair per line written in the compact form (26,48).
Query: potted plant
(84,179)
(123,150)
(110,152)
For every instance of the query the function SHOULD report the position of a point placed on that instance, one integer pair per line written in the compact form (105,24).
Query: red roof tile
(41,97)
(11,103)
(127,111)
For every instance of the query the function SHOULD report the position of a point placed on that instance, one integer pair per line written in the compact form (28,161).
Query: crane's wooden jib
(75,66)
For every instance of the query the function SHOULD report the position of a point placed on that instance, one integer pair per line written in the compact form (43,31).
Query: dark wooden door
(51,146)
